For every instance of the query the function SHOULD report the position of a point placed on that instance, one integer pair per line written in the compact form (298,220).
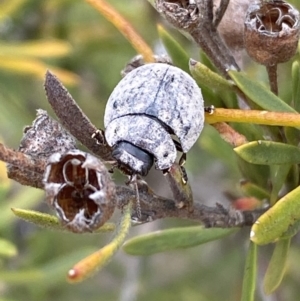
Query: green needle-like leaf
(26,197)
(291,231)
(7,249)
(50,221)
(36,49)
(152,2)
(22,277)
(278,175)
(268,152)
(97,260)
(38,218)
(8,8)
(178,55)
(205,76)
(49,274)
(259,94)
(296,84)
(292,135)
(173,239)
(251,189)
(249,280)
(278,219)
(276,268)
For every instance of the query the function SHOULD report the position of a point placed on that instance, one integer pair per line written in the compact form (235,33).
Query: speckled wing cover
(145,133)
(165,92)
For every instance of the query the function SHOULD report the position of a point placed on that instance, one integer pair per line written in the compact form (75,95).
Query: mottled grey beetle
(151,103)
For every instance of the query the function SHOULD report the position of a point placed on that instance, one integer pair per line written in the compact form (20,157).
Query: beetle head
(132,159)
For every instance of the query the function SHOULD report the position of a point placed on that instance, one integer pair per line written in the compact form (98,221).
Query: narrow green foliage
(38,218)
(152,2)
(97,260)
(173,239)
(212,142)
(278,219)
(48,274)
(48,221)
(228,97)
(4,189)
(27,197)
(249,130)
(292,135)
(22,276)
(278,175)
(268,153)
(293,178)
(257,174)
(296,85)
(36,49)
(251,189)
(7,249)
(178,55)
(291,231)
(276,268)
(8,8)
(266,166)
(249,280)
(259,94)
(205,76)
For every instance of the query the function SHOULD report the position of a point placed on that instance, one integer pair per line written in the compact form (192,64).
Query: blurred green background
(87,53)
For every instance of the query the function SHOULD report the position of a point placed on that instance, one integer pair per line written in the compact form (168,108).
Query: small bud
(272,32)
(246,203)
(79,188)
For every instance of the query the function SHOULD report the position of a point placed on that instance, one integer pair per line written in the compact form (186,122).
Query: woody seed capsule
(271,32)
(79,188)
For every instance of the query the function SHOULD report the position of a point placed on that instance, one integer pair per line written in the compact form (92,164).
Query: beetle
(149,106)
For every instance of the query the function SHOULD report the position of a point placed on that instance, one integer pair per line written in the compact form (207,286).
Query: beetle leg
(140,216)
(182,160)
(99,136)
(178,146)
(210,109)
(133,181)
(180,187)
(184,175)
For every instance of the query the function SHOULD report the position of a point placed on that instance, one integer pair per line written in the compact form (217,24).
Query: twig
(29,168)
(229,134)
(254,116)
(219,13)
(153,207)
(197,20)
(272,74)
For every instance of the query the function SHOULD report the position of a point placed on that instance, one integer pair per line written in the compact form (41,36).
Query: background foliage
(87,53)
